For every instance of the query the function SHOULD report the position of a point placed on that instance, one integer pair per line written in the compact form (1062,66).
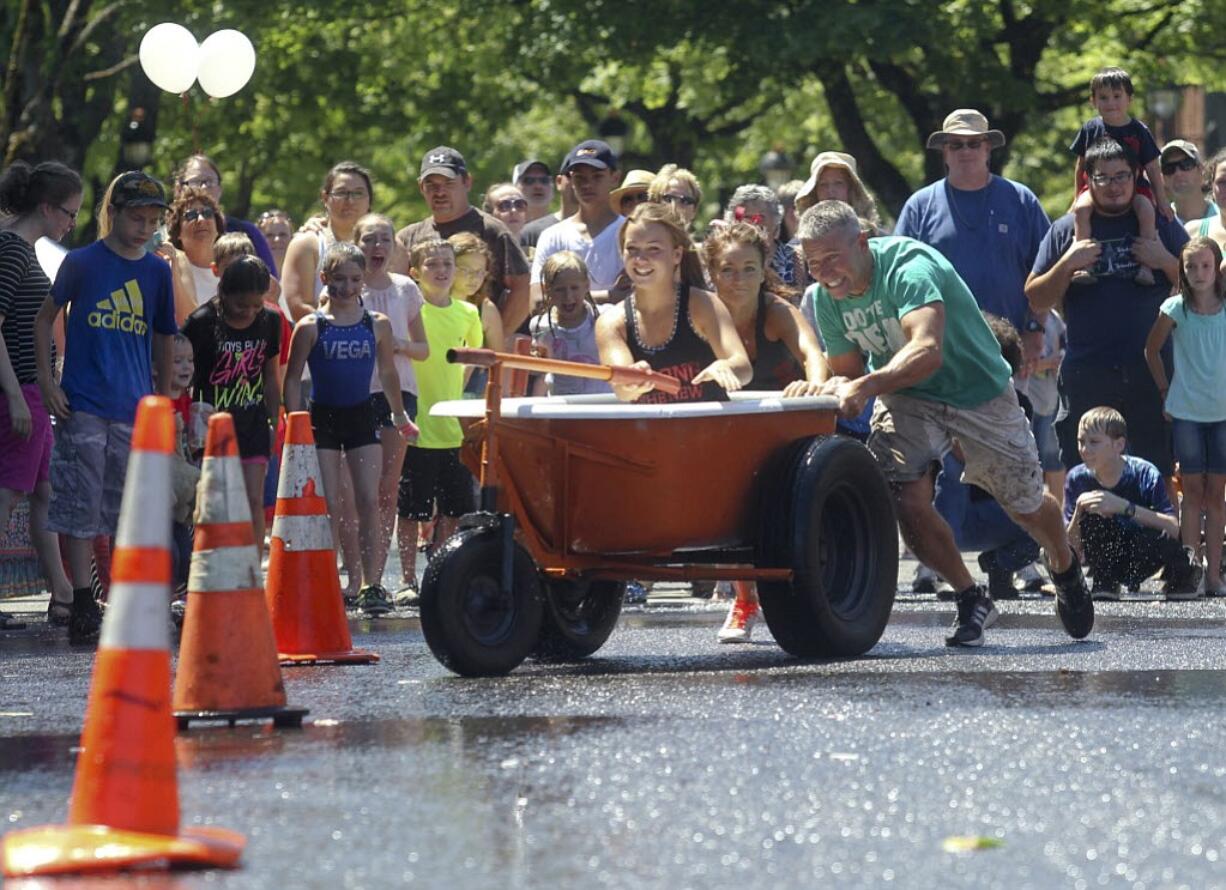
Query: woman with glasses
(679,189)
(194,223)
(199,171)
(278,229)
(507,203)
(347,195)
(35,202)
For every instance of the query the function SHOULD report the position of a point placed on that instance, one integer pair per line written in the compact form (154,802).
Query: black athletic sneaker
(1184,578)
(1074,605)
(85,623)
(1000,581)
(976,612)
(1105,589)
(373,601)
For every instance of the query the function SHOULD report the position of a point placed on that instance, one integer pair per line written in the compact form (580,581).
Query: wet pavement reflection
(669,760)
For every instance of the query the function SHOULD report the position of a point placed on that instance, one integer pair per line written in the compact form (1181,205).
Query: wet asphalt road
(667,760)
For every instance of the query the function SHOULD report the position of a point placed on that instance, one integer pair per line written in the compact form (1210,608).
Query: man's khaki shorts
(909,434)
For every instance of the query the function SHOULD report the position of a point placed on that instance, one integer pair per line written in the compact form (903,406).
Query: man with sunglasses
(536,182)
(1109,318)
(987,226)
(1183,174)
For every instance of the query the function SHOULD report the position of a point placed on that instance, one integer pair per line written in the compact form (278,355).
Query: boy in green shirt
(433,479)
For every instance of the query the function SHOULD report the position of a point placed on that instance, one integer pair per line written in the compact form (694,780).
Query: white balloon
(227,60)
(169,55)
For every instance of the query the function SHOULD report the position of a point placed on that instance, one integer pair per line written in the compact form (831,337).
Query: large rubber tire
(471,626)
(579,617)
(832,522)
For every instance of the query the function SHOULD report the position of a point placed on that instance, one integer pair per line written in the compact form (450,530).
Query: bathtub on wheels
(581,494)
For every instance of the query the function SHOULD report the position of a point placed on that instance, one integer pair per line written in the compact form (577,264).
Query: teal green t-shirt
(906,276)
(1198,386)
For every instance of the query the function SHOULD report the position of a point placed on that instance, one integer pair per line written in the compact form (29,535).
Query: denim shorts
(1044,426)
(1199,447)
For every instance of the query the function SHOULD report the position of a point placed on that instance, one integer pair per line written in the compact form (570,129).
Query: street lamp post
(613,130)
(136,140)
(775,167)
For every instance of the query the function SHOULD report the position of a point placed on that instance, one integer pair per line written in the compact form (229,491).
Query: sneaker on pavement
(407,596)
(1184,583)
(1032,579)
(373,601)
(976,613)
(1000,585)
(85,623)
(636,593)
(925,580)
(1105,590)
(738,626)
(1074,605)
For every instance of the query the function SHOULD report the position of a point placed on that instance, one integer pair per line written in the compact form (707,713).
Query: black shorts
(383,411)
(344,429)
(434,476)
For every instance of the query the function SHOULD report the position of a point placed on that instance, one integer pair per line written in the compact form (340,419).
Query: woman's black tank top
(774,366)
(682,356)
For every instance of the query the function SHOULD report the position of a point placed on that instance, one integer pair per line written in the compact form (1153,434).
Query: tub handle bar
(485,358)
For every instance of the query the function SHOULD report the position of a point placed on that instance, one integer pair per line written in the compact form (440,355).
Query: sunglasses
(534,180)
(684,200)
(755,219)
(635,198)
(958,144)
(506,205)
(202,213)
(1186,164)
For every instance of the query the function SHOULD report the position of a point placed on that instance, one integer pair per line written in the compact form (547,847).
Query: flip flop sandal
(58,614)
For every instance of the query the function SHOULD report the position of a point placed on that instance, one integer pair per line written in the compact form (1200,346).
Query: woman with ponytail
(36,202)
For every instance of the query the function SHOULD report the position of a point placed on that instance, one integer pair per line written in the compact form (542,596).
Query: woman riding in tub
(670,323)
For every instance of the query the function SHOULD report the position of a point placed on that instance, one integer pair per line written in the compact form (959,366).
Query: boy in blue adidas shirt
(120,319)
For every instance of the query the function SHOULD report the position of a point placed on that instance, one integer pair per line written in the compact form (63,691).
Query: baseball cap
(137,189)
(1183,145)
(591,153)
(524,166)
(444,161)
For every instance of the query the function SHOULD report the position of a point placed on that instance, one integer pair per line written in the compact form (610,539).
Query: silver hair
(756,194)
(825,217)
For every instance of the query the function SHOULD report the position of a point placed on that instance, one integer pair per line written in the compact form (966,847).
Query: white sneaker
(1032,579)
(738,626)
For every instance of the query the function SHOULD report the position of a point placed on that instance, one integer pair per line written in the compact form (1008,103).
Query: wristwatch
(1131,510)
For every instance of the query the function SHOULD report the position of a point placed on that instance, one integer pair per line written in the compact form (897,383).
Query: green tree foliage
(709,85)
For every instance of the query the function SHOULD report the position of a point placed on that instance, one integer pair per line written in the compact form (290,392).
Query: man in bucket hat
(987,226)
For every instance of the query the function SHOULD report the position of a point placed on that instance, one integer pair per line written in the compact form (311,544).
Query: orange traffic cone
(228,666)
(124,809)
(304,587)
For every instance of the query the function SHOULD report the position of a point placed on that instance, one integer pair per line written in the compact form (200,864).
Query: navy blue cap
(592,153)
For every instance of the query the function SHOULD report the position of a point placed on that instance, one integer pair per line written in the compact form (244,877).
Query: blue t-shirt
(989,235)
(1109,319)
(115,305)
(1140,483)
